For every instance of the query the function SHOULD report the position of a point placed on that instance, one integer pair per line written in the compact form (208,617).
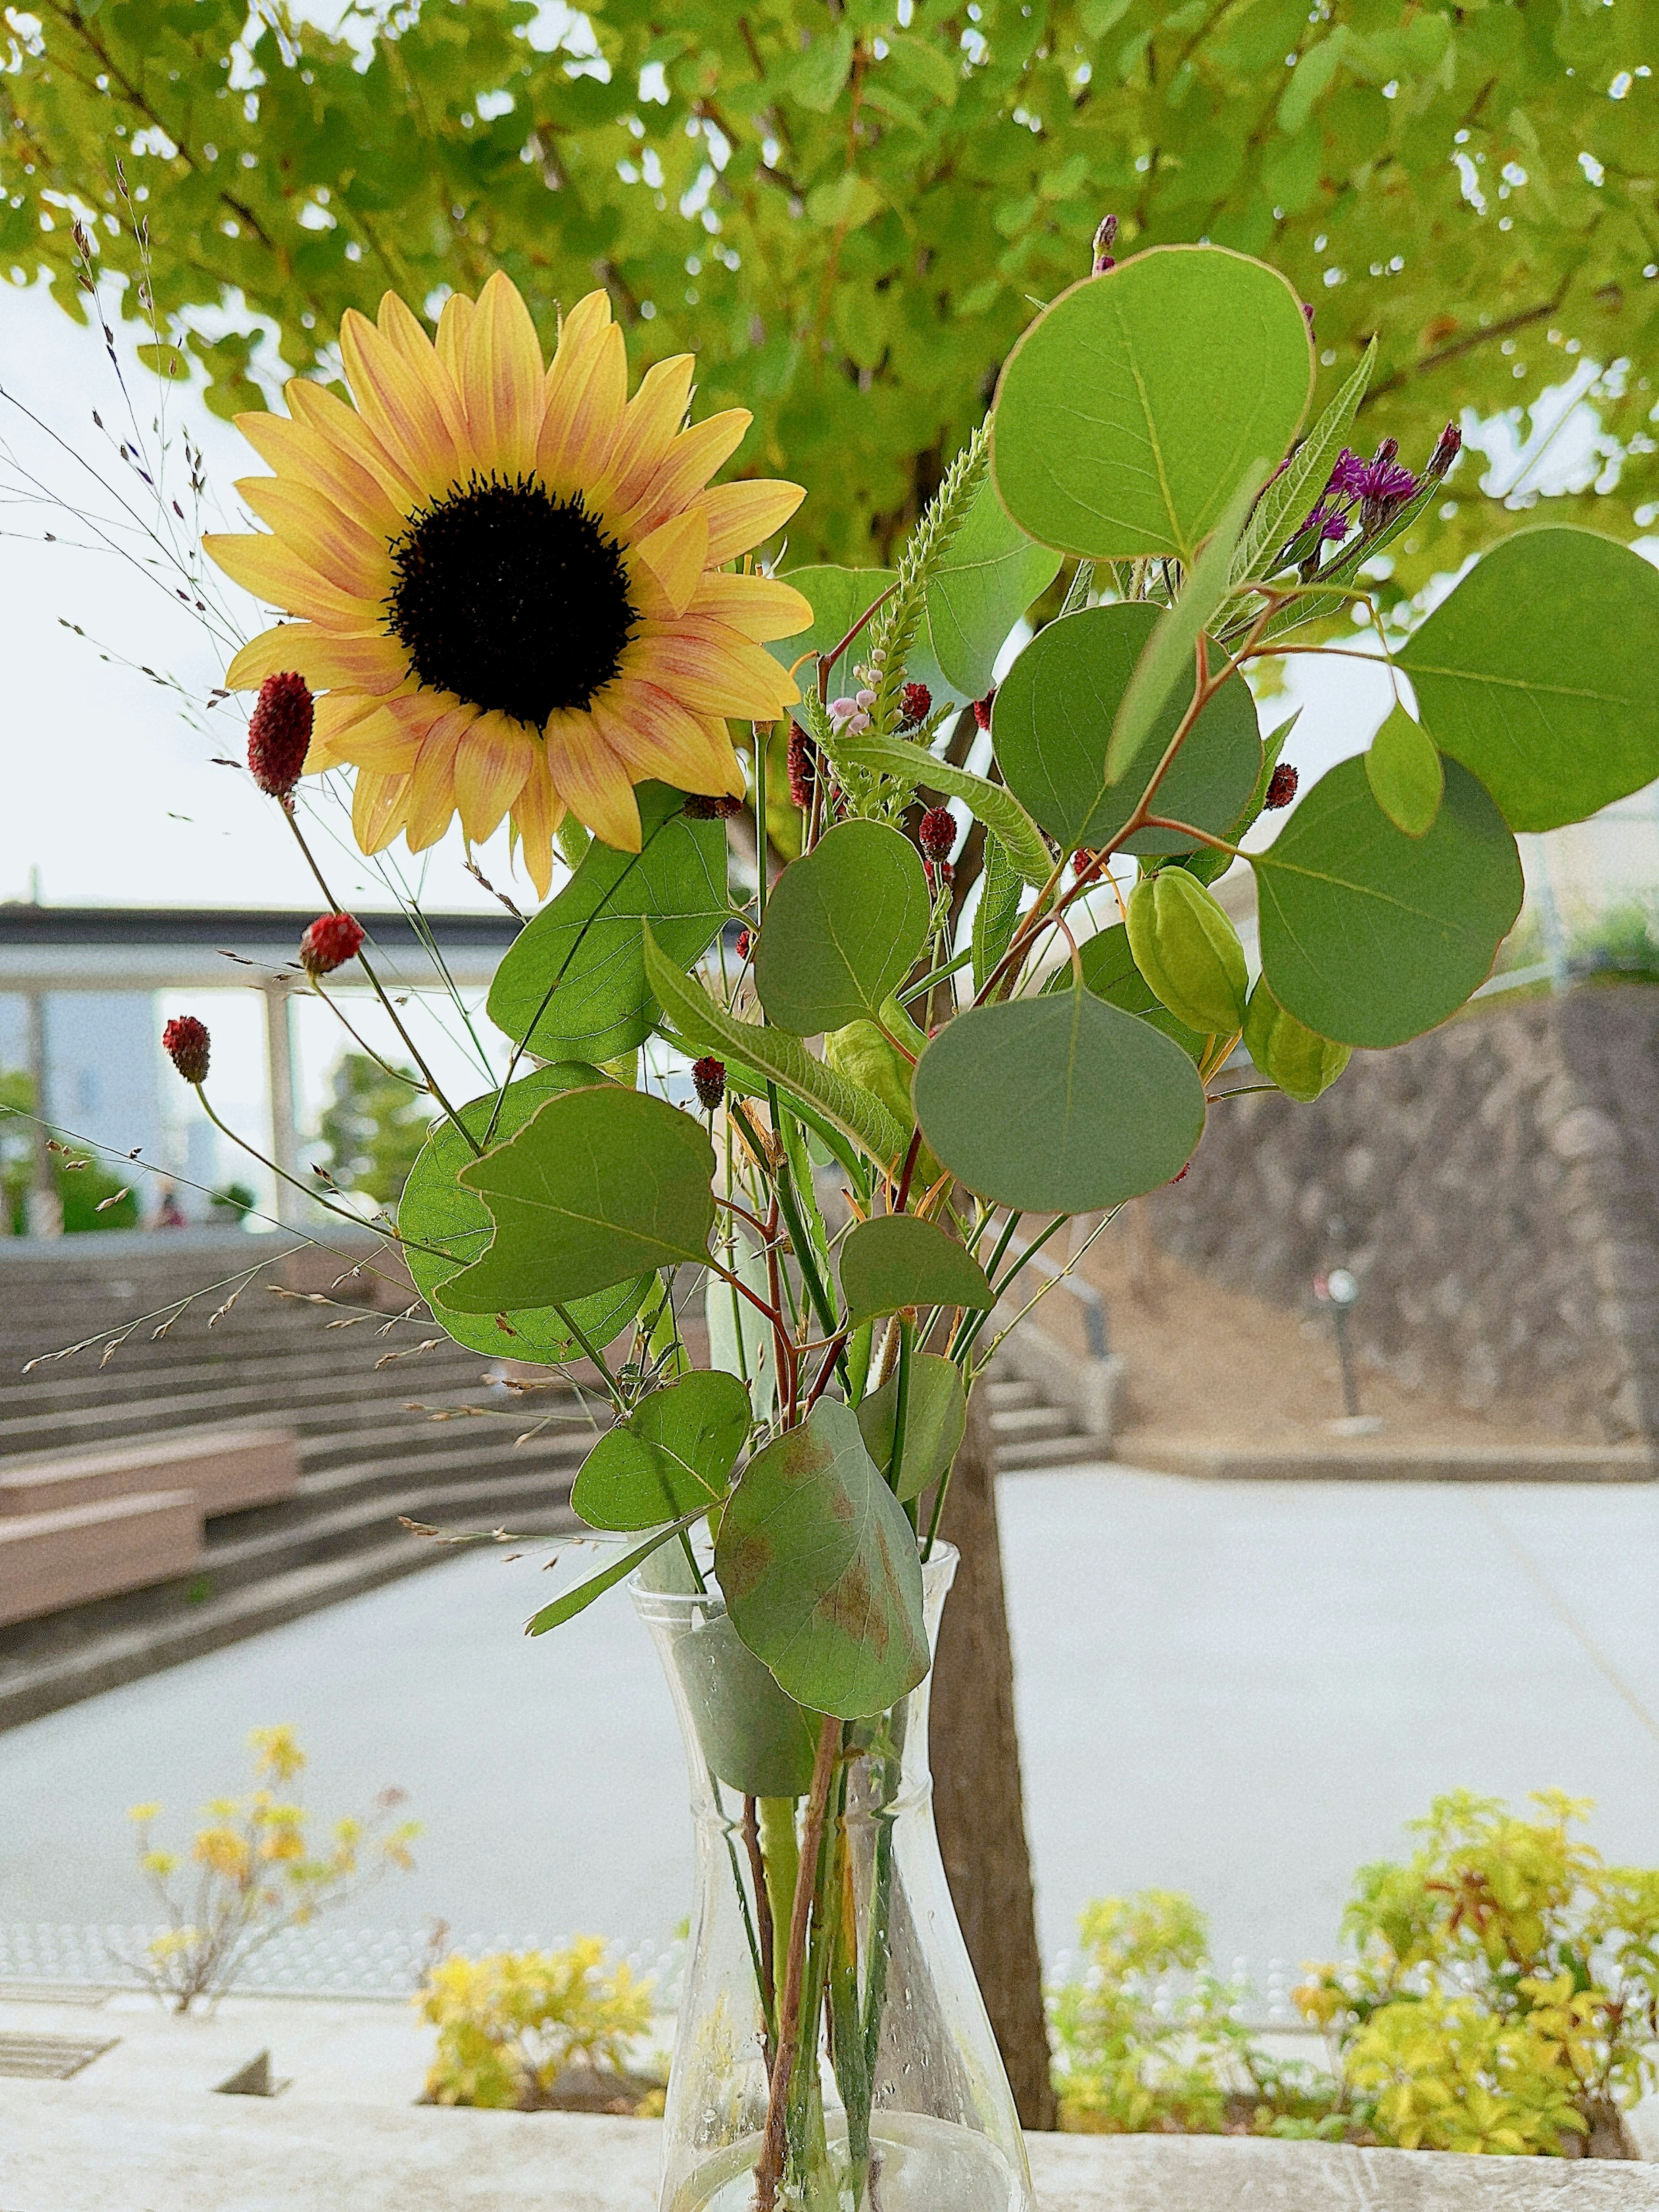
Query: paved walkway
(1240,1690)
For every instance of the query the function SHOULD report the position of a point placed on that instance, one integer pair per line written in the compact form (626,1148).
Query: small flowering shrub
(253,1870)
(510,2024)
(1504,1995)
(1127,2066)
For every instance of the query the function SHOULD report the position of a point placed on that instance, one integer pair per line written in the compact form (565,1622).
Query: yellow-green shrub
(510,2024)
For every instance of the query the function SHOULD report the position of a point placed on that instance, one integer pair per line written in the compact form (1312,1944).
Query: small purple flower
(1335,527)
(1447,448)
(1384,483)
(1346,475)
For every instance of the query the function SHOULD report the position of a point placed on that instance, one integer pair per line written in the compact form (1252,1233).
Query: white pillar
(279,1074)
(43,1208)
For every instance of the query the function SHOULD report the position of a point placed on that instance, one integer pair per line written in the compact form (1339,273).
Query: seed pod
(1188,952)
(864,1056)
(1300,1062)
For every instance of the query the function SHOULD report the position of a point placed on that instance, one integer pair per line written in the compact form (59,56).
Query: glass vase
(893,2097)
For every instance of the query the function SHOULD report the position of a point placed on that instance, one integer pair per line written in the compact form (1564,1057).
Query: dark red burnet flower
(1281,787)
(746,940)
(936,833)
(915,704)
(982,708)
(330,941)
(709,1081)
(279,733)
(186,1044)
(803,766)
(938,872)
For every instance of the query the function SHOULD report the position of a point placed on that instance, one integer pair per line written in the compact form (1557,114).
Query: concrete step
(1029,1457)
(1020,1424)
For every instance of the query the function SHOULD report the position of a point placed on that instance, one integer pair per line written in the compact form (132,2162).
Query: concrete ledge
(1378,1461)
(50,1560)
(67,2150)
(227,1468)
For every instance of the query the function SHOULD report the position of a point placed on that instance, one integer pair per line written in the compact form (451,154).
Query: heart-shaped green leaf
(1537,673)
(1058,1104)
(895,1260)
(1131,408)
(1054,714)
(572,986)
(675,1451)
(843,927)
(1370,937)
(437,1210)
(935,1418)
(1404,771)
(596,1187)
(819,1569)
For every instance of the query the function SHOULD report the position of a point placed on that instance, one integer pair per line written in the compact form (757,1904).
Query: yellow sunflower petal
(399,405)
(502,381)
(453,323)
(401,327)
(336,716)
(326,417)
(329,660)
(304,457)
(592,781)
(378,805)
(432,782)
(537,814)
(654,414)
(353,560)
(675,555)
(710,668)
(584,415)
(380,743)
(744,514)
(490,771)
(759,607)
(659,737)
(579,329)
(692,459)
(276,574)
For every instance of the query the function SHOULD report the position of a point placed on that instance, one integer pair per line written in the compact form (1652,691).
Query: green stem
(781,1850)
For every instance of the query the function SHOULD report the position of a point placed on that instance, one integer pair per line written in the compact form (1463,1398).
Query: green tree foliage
(373,1128)
(848,211)
(91,1197)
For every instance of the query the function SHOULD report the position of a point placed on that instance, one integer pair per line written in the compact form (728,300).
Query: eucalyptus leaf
(1167,671)
(990,574)
(843,927)
(595,1187)
(1058,1104)
(996,807)
(572,985)
(674,1452)
(1536,672)
(1404,774)
(706,1026)
(896,1260)
(1109,971)
(819,1568)
(756,1740)
(837,597)
(436,1210)
(935,1420)
(1055,711)
(1370,937)
(578,1599)
(1129,410)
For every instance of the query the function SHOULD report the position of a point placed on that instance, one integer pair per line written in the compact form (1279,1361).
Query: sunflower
(511,581)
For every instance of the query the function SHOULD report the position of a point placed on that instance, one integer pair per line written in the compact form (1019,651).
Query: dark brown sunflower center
(511,599)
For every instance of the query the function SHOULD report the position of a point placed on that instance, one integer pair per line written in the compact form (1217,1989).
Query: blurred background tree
(848,210)
(372,1129)
(91,1197)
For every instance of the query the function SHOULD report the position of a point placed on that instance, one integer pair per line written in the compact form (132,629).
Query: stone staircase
(429,1437)
(1031,1430)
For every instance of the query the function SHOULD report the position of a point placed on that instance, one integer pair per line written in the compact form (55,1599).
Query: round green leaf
(895,1260)
(843,927)
(990,574)
(837,598)
(436,1209)
(1133,404)
(1055,711)
(935,1419)
(573,983)
(596,1187)
(1058,1104)
(1403,766)
(1536,672)
(1370,937)
(676,1451)
(756,1740)
(819,1569)
(1109,971)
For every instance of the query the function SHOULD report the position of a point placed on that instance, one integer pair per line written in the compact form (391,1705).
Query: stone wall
(1494,1186)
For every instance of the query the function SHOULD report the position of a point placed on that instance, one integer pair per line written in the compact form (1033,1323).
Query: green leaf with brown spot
(819,1569)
